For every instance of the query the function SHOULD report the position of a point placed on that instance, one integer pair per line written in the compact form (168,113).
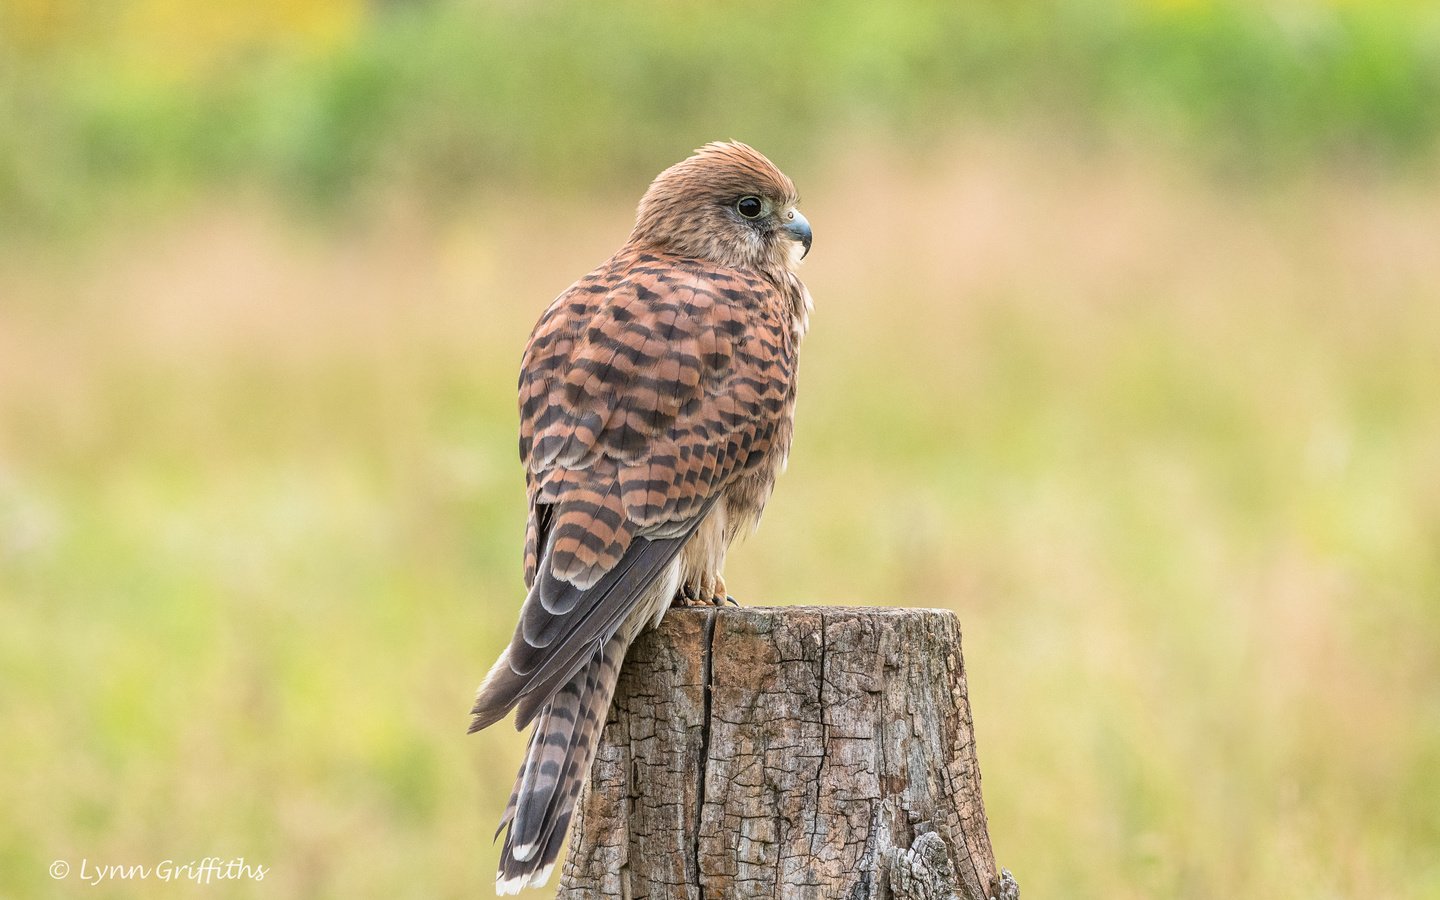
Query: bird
(657,400)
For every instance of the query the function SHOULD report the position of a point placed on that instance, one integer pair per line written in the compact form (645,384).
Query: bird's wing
(647,387)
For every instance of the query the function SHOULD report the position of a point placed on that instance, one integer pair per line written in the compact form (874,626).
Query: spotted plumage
(656,401)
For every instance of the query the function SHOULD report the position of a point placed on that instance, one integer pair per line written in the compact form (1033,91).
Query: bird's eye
(749,207)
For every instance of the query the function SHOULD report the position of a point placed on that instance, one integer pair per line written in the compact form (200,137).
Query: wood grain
(791,752)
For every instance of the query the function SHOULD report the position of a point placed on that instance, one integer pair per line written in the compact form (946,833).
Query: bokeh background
(1126,348)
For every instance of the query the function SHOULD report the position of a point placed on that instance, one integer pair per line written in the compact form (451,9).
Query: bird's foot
(702,594)
(689,595)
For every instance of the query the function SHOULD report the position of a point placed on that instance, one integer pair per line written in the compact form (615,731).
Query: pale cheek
(794,253)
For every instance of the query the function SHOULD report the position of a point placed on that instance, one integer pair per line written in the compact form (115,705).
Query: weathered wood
(788,753)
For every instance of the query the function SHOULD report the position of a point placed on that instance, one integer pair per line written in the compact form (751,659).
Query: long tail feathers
(557,764)
(559,672)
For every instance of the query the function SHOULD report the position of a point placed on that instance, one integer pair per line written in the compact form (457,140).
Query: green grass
(458,98)
(1168,448)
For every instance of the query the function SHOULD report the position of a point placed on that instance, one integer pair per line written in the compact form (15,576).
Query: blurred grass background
(1126,348)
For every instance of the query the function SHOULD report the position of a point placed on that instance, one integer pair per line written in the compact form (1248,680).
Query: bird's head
(727,204)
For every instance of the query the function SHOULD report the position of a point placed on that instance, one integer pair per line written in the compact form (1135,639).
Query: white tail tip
(505,887)
(542,876)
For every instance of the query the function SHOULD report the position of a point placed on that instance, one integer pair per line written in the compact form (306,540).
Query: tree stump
(804,752)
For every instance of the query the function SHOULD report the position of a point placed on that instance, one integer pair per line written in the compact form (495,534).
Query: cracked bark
(805,752)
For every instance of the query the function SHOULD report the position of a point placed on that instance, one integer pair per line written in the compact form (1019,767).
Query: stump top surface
(829,610)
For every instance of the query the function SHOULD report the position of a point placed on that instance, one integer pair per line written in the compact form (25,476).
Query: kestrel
(657,397)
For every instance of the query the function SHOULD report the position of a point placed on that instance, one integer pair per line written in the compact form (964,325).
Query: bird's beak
(799,228)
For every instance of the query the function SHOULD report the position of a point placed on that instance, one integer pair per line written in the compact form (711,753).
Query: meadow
(1159,423)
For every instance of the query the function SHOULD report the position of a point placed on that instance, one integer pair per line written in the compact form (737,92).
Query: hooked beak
(799,229)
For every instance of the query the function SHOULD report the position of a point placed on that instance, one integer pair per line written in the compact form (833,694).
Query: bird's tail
(557,763)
